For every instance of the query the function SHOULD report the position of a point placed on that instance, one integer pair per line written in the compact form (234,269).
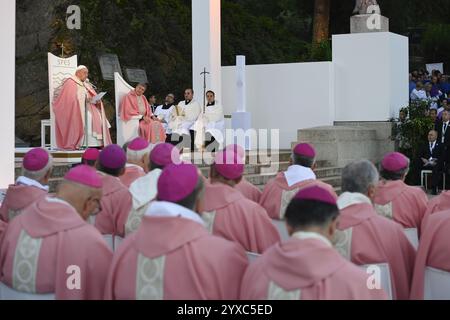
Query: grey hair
(359,176)
(39,175)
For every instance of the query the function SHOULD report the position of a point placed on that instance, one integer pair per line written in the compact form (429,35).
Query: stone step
(327,175)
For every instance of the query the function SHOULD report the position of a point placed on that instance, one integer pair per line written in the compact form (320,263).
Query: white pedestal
(363,23)
(371,76)
(242,121)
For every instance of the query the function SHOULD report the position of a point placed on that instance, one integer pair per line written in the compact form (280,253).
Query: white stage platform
(68,157)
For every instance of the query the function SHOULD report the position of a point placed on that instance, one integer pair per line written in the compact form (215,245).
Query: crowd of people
(140,223)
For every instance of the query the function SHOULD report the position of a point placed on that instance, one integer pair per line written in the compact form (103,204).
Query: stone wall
(33,37)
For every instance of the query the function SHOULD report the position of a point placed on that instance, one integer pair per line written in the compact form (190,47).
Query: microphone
(89,82)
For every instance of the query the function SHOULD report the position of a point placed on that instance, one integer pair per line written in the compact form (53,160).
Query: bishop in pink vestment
(394,199)
(116,201)
(144,189)
(306,267)
(30,187)
(50,249)
(279,192)
(69,108)
(172,256)
(366,238)
(433,250)
(137,152)
(135,104)
(229,214)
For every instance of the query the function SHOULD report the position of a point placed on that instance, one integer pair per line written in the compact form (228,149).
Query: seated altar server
(306,267)
(135,106)
(211,124)
(394,199)
(434,256)
(144,189)
(116,201)
(30,187)
(228,214)
(366,238)
(172,256)
(279,192)
(51,249)
(137,152)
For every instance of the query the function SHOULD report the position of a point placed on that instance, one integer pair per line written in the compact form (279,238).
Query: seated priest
(135,106)
(30,186)
(307,267)
(183,119)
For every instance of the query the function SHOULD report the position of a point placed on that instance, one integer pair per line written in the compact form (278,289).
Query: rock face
(33,37)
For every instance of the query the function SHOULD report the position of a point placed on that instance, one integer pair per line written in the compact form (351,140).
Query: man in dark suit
(431,158)
(443,129)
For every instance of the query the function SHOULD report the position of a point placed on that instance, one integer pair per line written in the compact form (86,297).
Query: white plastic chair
(437,284)
(7,293)
(252,257)
(385,277)
(413,237)
(282,229)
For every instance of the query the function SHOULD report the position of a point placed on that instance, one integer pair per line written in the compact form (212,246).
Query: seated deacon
(366,238)
(172,256)
(30,186)
(137,151)
(307,267)
(51,249)
(228,214)
(135,106)
(279,192)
